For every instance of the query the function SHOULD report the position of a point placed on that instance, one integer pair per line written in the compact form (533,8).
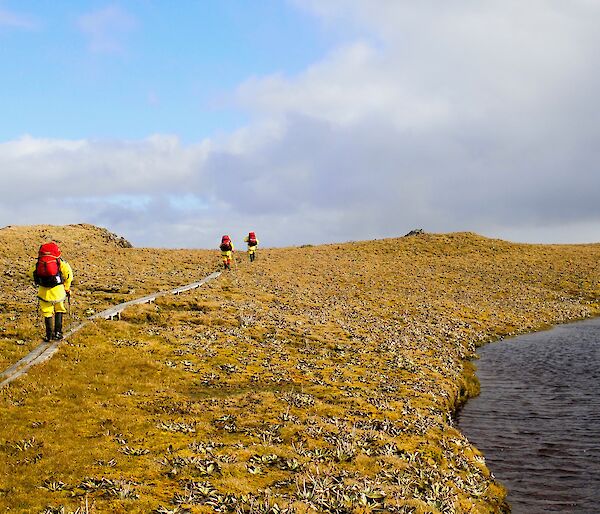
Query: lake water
(537,419)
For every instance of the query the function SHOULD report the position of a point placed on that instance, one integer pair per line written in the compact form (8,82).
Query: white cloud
(72,168)
(466,116)
(17,21)
(486,113)
(352,83)
(426,62)
(152,98)
(107,28)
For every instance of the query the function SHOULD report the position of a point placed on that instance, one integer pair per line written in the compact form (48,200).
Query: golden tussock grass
(315,379)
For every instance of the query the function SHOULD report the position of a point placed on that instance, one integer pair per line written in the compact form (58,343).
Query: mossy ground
(315,379)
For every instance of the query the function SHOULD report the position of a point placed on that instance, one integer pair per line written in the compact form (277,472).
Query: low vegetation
(317,379)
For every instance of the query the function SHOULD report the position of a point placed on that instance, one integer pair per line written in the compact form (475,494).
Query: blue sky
(307,121)
(130,69)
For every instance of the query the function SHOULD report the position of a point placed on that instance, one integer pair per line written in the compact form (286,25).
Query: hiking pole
(69,310)
(38,312)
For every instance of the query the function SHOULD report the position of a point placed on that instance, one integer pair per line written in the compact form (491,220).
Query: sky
(306,121)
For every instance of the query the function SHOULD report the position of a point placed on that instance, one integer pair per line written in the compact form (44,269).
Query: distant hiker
(53,275)
(226,251)
(252,245)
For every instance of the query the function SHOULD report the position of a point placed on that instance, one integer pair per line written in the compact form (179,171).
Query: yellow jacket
(57,293)
(246,240)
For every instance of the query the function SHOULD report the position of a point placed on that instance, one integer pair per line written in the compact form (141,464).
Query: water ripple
(537,419)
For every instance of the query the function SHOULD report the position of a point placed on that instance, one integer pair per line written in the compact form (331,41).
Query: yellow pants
(48,308)
(226,256)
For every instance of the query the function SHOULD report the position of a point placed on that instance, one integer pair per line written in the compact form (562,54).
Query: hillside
(317,379)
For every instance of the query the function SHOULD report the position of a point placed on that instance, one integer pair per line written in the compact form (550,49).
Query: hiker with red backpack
(226,251)
(252,245)
(53,275)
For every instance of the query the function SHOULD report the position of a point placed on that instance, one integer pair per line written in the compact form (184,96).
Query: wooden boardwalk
(46,350)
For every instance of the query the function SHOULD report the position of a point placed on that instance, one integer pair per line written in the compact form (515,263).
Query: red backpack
(47,268)
(252,241)
(225,244)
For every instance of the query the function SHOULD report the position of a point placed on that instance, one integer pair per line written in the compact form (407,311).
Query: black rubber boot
(48,324)
(58,325)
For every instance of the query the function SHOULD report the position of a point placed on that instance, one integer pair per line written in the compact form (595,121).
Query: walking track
(46,350)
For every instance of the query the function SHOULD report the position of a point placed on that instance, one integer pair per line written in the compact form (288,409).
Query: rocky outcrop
(115,239)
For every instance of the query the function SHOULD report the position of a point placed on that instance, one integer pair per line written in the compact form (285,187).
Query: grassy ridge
(318,378)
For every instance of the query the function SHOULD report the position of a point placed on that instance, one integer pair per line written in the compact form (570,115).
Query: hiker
(252,244)
(226,251)
(53,275)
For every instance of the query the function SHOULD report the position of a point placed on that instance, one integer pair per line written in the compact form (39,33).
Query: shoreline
(473,384)
(513,406)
